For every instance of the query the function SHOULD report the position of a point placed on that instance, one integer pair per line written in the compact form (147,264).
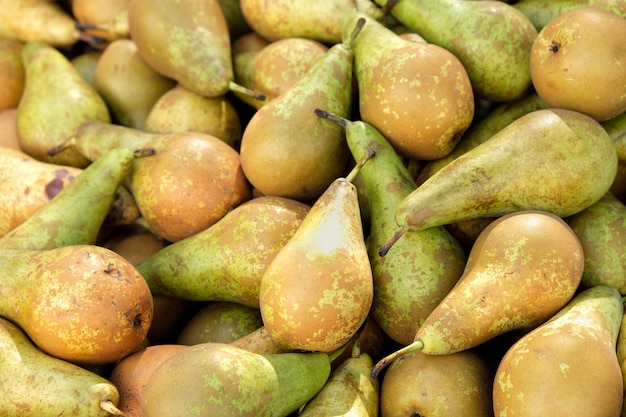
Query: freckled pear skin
(567,366)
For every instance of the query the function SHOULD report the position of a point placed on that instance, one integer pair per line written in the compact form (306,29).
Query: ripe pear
(127,84)
(221,322)
(417,94)
(226,261)
(76,214)
(491,38)
(86,63)
(35,384)
(601,229)
(577,62)
(259,341)
(8,129)
(411,281)
(212,379)
(131,374)
(81,303)
(182,110)
(540,12)
(105,19)
(318,290)
(568,365)
(286,150)
(12,74)
(56,100)
(38,21)
(349,391)
(188,42)
(555,160)
(522,269)
(457,384)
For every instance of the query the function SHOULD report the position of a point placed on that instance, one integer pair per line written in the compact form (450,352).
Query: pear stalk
(381,364)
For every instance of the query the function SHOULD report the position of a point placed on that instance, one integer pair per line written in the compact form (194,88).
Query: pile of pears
(290,208)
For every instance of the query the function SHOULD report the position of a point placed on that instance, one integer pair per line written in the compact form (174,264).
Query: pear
(286,150)
(56,100)
(545,372)
(188,42)
(417,94)
(318,290)
(411,281)
(226,261)
(221,322)
(237,24)
(457,384)
(81,303)
(181,110)
(491,38)
(105,19)
(522,269)
(259,341)
(212,379)
(131,374)
(555,160)
(540,12)
(577,62)
(86,64)
(12,75)
(127,84)
(76,214)
(621,355)
(601,229)
(38,21)
(8,129)
(34,384)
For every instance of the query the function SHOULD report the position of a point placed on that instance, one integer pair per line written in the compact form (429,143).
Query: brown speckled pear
(317,292)
(522,269)
(540,12)
(81,303)
(568,365)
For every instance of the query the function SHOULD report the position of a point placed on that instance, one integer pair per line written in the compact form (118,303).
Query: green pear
(127,84)
(491,38)
(411,281)
(220,322)
(317,291)
(35,384)
(457,384)
(621,355)
(569,364)
(56,100)
(226,261)
(616,128)
(182,110)
(417,94)
(188,42)
(349,391)
(81,303)
(286,150)
(555,160)
(522,269)
(601,229)
(76,214)
(540,12)
(86,63)
(212,379)
(237,24)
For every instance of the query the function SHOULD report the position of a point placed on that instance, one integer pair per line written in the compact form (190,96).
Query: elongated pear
(226,261)
(573,353)
(55,101)
(212,379)
(81,303)
(409,282)
(286,150)
(555,160)
(49,386)
(491,38)
(417,94)
(522,269)
(540,12)
(75,216)
(259,341)
(318,290)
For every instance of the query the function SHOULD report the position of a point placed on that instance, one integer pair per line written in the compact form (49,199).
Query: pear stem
(416,345)
(347,43)
(359,164)
(139,153)
(396,236)
(60,148)
(233,86)
(343,122)
(387,7)
(108,406)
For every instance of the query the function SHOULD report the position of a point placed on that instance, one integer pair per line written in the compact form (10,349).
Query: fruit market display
(312,208)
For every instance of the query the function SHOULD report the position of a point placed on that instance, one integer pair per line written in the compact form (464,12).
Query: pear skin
(522,269)
(259,341)
(81,303)
(107,20)
(545,372)
(540,12)
(12,75)
(35,384)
